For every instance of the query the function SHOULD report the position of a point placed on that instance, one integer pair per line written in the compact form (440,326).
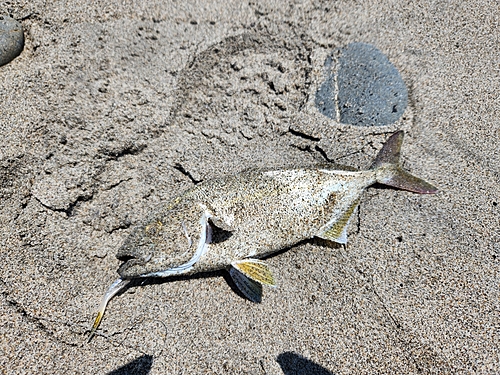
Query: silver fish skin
(232,222)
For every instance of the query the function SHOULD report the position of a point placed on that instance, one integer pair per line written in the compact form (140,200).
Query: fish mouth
(132,266)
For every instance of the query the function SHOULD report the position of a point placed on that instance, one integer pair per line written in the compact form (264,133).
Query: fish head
(165,243)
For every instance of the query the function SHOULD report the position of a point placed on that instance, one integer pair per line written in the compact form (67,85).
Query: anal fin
(337,231)
(255,269)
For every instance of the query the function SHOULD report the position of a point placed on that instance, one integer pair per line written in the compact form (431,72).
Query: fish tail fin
(389,171)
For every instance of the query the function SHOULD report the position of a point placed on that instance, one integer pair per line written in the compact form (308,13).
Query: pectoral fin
(256,270)
(337,231)
(251,289)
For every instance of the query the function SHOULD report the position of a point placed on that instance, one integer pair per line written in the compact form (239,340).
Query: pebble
(370,92)
(11,39)
(325,96)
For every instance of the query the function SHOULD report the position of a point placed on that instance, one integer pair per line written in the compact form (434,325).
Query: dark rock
(11,39)
(371,91)
(325,96)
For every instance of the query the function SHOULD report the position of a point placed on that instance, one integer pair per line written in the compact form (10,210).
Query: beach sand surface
(115,107)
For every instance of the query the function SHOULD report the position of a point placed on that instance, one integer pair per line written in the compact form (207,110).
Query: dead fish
(259,212)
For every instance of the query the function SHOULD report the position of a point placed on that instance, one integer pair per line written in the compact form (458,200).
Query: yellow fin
(337,231)
(250,289)
(256,270)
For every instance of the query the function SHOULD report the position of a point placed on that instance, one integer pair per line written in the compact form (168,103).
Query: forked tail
(389,171)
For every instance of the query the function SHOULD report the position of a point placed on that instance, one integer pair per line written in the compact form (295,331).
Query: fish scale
(263,211)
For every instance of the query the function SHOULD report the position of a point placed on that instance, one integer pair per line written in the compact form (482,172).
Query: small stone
(11,39)
(371,91)
(325,96)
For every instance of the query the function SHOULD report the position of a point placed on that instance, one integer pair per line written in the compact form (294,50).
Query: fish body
(259,211)
(233,222)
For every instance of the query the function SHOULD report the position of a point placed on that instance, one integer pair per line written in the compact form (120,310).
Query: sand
(114,108)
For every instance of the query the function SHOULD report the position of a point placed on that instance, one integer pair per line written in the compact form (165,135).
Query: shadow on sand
(294,364)
(139,366)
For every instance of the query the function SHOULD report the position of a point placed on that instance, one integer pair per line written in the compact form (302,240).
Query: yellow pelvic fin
(251,289)
(337,231)
(256,270)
